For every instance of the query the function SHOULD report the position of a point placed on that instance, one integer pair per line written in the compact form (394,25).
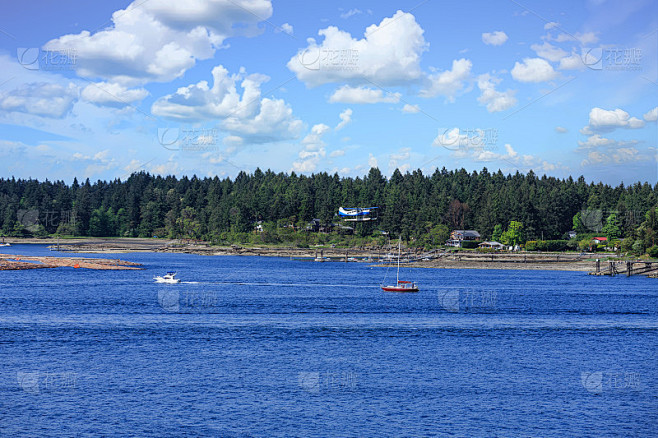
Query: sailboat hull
(400,289)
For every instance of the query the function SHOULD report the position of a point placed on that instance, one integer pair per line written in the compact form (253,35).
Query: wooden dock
(626,267)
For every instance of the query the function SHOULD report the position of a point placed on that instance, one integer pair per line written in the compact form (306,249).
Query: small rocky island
(11,262)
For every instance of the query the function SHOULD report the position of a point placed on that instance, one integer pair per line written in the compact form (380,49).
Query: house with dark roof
(313,225)
(459,236)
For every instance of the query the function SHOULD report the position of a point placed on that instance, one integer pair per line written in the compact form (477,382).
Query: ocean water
(256,346)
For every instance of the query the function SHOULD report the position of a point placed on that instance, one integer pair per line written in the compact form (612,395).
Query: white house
(491,244)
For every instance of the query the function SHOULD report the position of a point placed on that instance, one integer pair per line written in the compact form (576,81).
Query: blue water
(256,346)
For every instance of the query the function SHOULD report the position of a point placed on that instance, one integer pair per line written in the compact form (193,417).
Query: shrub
(585,244)
(556,245)
(469,244)
(653,252)
(627,244)
(549,245)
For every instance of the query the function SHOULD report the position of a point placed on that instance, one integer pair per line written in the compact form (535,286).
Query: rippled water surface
(255,346)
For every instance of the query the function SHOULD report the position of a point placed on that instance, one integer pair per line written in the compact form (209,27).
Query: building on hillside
(459,236)
(313,225)
(491,244)
(572,234)
(599,240)
(316,226)
(343,229)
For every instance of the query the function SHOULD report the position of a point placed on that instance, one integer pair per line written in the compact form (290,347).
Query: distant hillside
(412,204)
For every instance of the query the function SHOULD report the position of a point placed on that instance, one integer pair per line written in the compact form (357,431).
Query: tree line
(418,207)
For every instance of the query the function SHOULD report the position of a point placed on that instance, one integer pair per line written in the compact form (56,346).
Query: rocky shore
(10,262)
(436,259)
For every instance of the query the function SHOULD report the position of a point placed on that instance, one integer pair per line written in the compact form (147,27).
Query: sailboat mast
(399,245)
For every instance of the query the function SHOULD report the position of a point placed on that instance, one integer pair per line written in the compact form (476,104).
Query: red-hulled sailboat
(401,285)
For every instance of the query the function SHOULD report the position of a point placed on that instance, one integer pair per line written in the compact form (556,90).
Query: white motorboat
(169,277)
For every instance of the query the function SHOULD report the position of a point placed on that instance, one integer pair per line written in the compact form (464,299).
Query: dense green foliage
(422,208)
(550,245)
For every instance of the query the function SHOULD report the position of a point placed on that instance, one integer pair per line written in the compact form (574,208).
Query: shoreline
(12,262)
(458,260)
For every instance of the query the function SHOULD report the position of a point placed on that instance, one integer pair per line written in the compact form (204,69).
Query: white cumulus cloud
(601,120)
(494,100)
(395,159)
(595,141)
(410,109)
(582,38)
(158,40)
(495,38)
(111,94)
(533,70)
(615,156)
(347,94)
(285,28)
(549,51)
(250,116)
(372,161)
(450,82)
(652,115)
(350,13)
(345,118)
(313,151)
(44,99)
(388,54)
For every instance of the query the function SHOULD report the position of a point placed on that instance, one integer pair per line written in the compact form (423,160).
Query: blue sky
(212,87)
